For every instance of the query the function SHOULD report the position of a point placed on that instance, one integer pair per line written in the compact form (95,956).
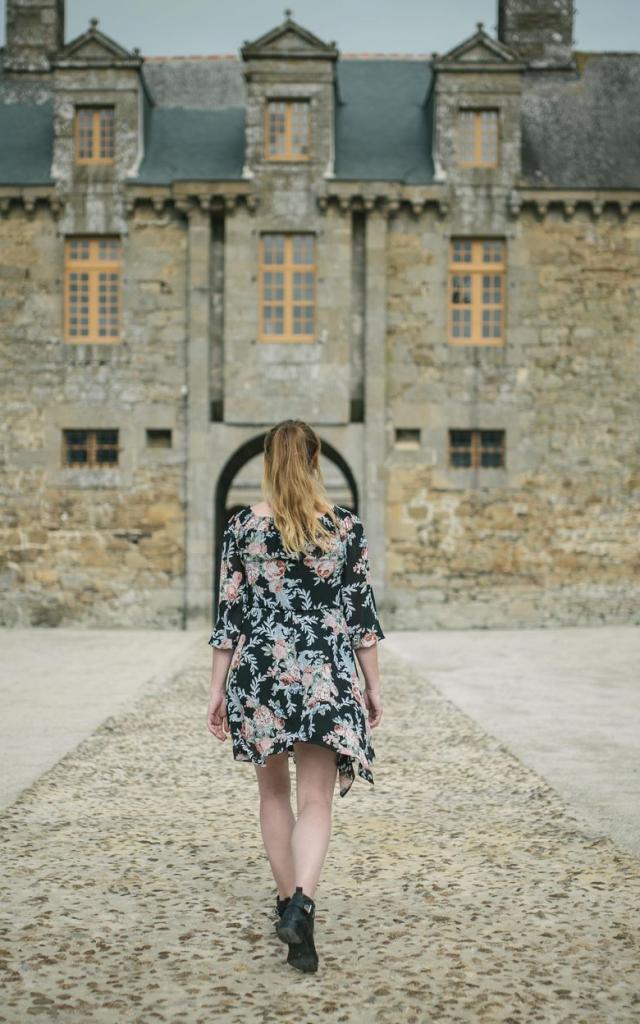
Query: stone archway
(239,485)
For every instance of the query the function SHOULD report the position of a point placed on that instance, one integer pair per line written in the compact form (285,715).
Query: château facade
(433,259)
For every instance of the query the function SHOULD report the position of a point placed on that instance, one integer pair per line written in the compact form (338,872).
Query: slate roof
(198,145)
(26,133)
(582,130)
(579,130)
(383,121)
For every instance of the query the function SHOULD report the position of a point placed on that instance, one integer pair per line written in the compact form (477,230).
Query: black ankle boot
(296,928)
(281,905)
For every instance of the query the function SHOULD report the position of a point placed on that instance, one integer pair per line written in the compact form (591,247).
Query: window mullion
(287,130)
(261,280)
(95,135)
(475,301)
(288,290)
(93,289)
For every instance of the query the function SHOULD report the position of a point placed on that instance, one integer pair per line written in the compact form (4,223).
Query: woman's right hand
(373,703)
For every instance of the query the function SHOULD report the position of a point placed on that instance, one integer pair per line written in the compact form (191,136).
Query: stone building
(434,259)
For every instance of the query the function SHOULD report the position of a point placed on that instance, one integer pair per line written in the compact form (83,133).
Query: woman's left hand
(217,721)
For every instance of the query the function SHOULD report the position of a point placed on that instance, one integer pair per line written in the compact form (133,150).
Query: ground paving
(460,887)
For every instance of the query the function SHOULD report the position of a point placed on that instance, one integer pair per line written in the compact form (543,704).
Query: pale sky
(361,26)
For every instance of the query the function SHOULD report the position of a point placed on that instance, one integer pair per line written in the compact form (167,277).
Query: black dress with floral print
(293,623)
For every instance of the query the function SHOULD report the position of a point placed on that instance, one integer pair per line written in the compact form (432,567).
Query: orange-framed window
(287,130)
(95,135)
(92,286)
(287,287)
(474,449)
(478,138)
(476,291)
(89,448)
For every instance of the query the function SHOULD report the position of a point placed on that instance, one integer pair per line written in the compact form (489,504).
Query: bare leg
(277,819)
(315,782)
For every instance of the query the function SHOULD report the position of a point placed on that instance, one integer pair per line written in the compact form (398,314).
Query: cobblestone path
(459,888)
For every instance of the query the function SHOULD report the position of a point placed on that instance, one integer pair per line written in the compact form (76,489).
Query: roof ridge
(234,56)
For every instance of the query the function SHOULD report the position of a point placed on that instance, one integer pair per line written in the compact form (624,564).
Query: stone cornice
(383,196)
(27,196)
(568,200)
(345,196)
(216,196)
(220,196)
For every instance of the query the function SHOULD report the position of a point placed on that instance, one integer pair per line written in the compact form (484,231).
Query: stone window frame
(289,156)
(101,416)
(289,268)
(524,450)
(475,447)
(92,446)
(475,268)
(92,274)
(96,157)
(478,117)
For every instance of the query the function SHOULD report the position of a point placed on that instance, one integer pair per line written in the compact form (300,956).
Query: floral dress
(293,623)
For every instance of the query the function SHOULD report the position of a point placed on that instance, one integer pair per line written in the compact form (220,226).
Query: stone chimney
(541,30)
(35,32)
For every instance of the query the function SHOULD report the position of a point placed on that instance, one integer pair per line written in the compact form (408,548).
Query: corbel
(183,206)
(514,205)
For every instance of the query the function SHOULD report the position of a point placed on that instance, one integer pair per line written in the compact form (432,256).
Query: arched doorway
(239,485)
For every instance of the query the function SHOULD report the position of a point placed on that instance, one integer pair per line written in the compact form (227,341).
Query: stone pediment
(477,51)
(288,40)
(95,48)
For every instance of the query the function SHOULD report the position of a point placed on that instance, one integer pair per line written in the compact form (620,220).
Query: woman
(295,602)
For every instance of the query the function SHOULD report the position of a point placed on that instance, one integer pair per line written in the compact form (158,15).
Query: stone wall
(552,539)
(81,546)
(549,539)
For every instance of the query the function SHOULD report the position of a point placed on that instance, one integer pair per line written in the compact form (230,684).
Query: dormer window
(287,130)
(478,138)
(95,135)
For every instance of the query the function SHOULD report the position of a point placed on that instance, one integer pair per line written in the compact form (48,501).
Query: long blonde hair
(293,484)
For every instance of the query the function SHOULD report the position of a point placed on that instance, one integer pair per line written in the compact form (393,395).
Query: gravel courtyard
(461,887)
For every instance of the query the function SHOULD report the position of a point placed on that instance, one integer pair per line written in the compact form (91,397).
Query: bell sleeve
(358,600)
(232,593)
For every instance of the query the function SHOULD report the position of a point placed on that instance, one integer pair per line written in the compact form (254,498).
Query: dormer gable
(291,95)
(100,105)
(95,49)
(479,52)
(288,40)
(477,111)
